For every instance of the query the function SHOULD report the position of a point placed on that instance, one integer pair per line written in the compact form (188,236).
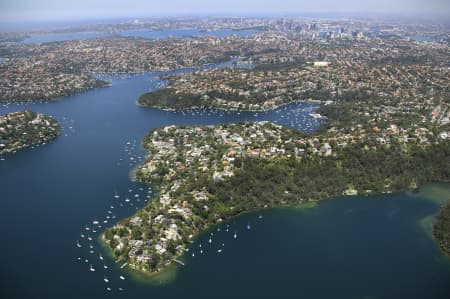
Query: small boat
(91,269)
(82,235)
(108,289)
(95,222)
(201,251)
(105,279)
(260,217)
(219,251)
(235,236)
(193,254)
(210,241)
(89,238)
(101,257)
(78,244)
(121,277)
(120,289)
(104,266)
(248,226)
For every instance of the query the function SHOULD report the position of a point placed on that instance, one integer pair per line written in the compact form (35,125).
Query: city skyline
(51,10)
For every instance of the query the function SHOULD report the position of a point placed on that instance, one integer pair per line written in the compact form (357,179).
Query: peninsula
(24,129)
(207,174)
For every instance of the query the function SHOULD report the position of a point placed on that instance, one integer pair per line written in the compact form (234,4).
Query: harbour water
(365,247)
(55,37)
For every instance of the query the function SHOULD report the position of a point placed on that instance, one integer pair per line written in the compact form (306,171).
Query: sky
(52,10)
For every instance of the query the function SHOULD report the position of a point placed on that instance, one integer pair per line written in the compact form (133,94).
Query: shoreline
(168,274)
(319,103)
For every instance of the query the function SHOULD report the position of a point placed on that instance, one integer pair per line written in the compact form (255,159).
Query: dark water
(55,37)
(346,248)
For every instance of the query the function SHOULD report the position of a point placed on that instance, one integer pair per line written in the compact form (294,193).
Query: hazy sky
(30,10)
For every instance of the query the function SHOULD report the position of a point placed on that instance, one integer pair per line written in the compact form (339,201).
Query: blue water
(346,248)
(423,38)
(55,37)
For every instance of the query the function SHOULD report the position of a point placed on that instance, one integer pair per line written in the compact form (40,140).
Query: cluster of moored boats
(202,247)
(134,197)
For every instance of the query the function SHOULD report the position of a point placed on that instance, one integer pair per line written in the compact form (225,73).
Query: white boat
(105,279)
(95,222)
(108,289)
(121,277)
(78,244)
(101,257)
(219,251)
(91,269)
(210,241)
(235,236)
